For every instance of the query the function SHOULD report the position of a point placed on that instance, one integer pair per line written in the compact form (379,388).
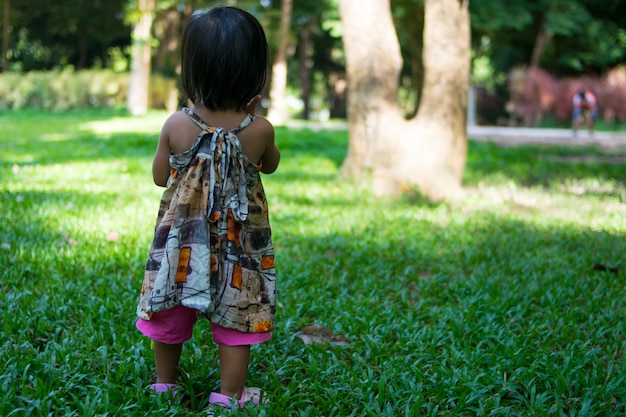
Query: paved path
(513,136)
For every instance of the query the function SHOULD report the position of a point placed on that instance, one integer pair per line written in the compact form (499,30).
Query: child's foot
(161,388)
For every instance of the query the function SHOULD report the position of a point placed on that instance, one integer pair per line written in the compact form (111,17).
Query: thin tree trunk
(82,50)
(6,33)
(139,86)
(541,42)
(278,104)
(306,63)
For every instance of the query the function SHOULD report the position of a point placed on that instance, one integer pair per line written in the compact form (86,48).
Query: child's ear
(251,106)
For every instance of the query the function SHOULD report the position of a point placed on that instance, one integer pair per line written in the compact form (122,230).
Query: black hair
(224,58)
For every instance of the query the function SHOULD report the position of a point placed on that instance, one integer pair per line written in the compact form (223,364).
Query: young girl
(212,253)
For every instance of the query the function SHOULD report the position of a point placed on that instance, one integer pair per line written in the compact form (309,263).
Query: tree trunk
(277,113)
(167,31)
(6,33)
(82,49)
(139,86)
(167,28)
(544,36)
(306,64)
(373,63)
(425,155)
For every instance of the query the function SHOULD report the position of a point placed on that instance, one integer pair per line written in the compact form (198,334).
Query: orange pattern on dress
(267,262)
(263,326)
(183,264)
(237,281)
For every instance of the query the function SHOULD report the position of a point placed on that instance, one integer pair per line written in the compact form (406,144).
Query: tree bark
(141,51)
(425,155)
(277,113)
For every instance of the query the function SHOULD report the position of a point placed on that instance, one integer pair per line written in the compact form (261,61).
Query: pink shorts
(175,326)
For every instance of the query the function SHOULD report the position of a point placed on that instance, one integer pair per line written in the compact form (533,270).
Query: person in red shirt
(585,107)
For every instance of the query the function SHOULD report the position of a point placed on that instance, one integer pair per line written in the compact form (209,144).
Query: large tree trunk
(139,86)
(425,155)
(373,63)
(277,113)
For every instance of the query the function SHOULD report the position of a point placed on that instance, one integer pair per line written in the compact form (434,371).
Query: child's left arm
(161,161)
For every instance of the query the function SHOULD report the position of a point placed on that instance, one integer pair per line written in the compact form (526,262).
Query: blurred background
(528,58)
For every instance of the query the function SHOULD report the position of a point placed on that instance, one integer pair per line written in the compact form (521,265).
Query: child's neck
(228,119)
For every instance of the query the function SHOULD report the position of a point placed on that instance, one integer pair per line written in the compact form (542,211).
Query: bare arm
(161,161)
(271,155)
(270,160)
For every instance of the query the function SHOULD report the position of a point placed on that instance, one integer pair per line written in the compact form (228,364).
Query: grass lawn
(494,305)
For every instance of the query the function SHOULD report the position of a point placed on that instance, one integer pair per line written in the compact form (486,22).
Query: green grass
(486,306)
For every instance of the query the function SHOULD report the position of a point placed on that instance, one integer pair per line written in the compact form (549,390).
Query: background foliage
(573,39)
(67,89)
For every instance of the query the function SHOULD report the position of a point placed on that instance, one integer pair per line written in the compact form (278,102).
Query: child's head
(224,58)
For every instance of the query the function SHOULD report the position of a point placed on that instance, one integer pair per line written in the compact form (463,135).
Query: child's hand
(251,106)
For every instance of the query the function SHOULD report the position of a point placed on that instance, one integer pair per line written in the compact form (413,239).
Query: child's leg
(166,358)
(234,353)
(234,362)
(168,329)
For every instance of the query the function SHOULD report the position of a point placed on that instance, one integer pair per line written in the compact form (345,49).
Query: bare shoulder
(263,128)
(258,144)
(175,121)
(181,131)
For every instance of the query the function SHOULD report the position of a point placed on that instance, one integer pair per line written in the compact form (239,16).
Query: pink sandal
(249,394)
(161,388)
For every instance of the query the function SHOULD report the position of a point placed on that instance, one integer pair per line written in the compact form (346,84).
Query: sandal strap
(159,388)
(221,400)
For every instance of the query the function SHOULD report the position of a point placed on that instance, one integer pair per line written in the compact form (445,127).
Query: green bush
(68,89)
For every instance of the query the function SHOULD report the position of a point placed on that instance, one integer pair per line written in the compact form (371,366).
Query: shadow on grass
(495,308)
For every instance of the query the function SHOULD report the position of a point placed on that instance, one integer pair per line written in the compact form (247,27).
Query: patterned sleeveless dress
(212,249)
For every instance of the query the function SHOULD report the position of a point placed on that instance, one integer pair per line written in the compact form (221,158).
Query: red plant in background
(613,95)
(534,94)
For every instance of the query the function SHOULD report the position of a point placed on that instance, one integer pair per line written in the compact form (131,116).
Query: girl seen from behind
(212,254)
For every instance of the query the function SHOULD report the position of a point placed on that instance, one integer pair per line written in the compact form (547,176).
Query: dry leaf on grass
(316,333)
(113,237)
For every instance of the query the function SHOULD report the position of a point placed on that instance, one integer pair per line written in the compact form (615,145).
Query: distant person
(212,254)
(585,107)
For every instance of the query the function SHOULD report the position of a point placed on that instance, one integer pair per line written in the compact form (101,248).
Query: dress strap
(205,126)
(196,119)
(246,122)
